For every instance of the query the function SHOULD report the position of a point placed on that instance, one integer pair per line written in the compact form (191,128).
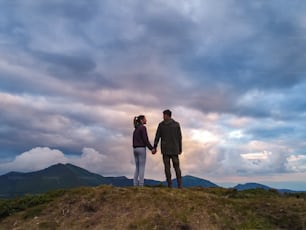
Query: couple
(169,132)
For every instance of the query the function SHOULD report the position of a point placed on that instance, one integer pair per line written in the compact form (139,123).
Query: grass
(108,207)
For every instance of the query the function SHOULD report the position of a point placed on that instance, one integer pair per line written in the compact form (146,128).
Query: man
(169,131)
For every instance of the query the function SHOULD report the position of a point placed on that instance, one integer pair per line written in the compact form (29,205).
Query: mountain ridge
(62,176)
(251,185)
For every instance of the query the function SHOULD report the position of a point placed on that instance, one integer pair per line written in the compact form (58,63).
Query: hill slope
(61,176)
(56,176)
(108,207)
(246,186)
(191,181)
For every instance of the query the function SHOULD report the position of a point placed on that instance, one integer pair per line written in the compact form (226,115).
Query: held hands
(154,151)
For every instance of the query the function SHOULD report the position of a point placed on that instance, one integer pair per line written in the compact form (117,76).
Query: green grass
(10,206)
(108,207)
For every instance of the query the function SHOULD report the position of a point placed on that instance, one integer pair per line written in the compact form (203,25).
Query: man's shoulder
(175,122)
(169,122)
(161,123)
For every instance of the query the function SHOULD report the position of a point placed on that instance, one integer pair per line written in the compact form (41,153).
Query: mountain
(54,177)
(247,186)
(59,176)
(191,181)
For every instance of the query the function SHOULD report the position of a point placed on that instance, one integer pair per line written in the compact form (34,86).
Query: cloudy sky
(73,74)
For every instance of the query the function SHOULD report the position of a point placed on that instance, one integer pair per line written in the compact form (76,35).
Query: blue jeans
(140,163)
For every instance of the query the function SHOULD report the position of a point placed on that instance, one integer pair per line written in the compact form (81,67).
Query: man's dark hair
(167,112)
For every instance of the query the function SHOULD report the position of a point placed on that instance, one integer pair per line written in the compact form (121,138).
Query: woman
(140,143)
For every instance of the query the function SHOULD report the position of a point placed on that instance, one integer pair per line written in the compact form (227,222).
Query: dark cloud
(73,74)
(74,65)
(270,56)
(79,11)
(271,133)
(167,31)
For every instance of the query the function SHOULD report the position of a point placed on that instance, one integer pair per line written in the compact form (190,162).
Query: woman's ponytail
(137,120)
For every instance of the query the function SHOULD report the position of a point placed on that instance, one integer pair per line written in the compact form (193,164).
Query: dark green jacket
(169,131)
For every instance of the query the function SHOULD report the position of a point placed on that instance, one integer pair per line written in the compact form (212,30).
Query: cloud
(256,156)
(35,159)
(296,163)
(42,157)
(73,75)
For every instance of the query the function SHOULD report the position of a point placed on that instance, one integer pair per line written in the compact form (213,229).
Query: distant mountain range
(241,187)
(247,186)
(61,176)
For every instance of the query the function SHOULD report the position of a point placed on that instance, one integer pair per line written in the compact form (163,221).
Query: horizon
(74,74)
(220,184)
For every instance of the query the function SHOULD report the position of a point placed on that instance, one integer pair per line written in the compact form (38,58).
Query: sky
(73,74)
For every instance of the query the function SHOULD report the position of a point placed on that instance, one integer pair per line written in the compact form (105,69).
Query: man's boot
(169,181)
(179,182)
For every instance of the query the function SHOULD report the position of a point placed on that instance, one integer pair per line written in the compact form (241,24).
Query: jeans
(140,162)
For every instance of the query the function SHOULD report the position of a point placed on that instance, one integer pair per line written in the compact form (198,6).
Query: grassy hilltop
(107,207)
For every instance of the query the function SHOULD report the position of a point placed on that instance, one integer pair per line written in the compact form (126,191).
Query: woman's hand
(154,151)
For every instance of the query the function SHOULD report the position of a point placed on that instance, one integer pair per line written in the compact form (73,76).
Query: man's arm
(180,138)
(157,137)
